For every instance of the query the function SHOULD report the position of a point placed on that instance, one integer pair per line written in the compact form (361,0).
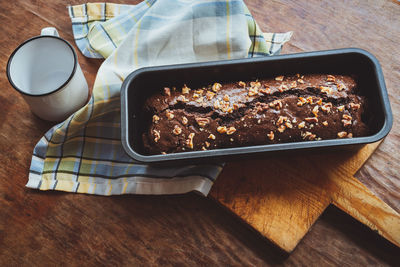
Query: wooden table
(47,228)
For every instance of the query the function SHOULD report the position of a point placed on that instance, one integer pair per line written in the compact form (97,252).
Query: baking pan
(145,82)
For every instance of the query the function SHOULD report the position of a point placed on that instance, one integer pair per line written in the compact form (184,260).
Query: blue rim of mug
(24,43)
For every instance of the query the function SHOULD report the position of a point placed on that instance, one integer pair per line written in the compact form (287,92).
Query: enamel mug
(45,70)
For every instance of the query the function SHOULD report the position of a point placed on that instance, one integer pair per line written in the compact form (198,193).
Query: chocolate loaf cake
(278,110)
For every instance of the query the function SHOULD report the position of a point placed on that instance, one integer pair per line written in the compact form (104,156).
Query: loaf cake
(282,109)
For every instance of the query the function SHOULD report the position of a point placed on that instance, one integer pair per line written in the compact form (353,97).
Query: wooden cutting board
(281,197)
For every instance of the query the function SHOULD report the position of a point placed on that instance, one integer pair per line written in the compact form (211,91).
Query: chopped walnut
(182,98)
(355,106)
(235,106)
(319,102)
(207,144)
(347,117)
(163,153)
(308,135)
(311,119)
(222,129)
(189,141)
(300,81)
(281,120)
(185,89)
(256,84)
(216,104)
(200,100)
(210,95)
(301,101)
(310,100)
(211,136)
(277,104)
(155,118)
(279,78)
(293,84)
(216,87)
(346,123)
(157,135)
(199,91)
(271,135)
(341,108)
(167,91)
(349,135)
(177,130)
(266,90)
(203,148)
(202,122)
(301,125)
(226,98)
(231,130)
(325,123)
(288,125)
(326,107)
(282,128)
(243,84)
(253,91)
(315,110)
(169,114)
(195,95)
(340,86)
(342,134)
(184,120)
(282,88)
(330,78)
(325,89)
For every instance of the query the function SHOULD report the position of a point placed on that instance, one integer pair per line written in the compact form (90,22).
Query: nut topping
(195,95)
(256,84)
(330,78)
(341,108)
(222,129)
(279,78)
(342,134)
(157,135)
(301,101)
(167,91)
(202,122)
(300,81)
(326,107)
(315,110)
(311,119)
(169,114)
(282,128)
(355,106)
(288,125)
(210,95)
(185,89)
(308,135)
(277,104)
(347,117)
(340,86)
(177,130)
(281,120)
(226,98)
(211,136)
(182,98)
(319,102)
(266,90)
(253,91)
(293,84)
(184,120)
(216,104)
(207,144)
(189,141)
(242,84)
(301,125)
(199,91)
(216,87)
(231,130)
(349,135)
(309,100)
(271,135)
(325,89)
(282,88)
(325,123)
(200,100)
(155,118)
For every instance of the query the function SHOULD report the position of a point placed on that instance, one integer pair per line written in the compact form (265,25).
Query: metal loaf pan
(145,82)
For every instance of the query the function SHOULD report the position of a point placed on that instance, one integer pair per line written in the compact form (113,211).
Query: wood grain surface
(53,228)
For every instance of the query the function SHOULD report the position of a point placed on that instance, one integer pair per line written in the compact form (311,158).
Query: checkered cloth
(84,153)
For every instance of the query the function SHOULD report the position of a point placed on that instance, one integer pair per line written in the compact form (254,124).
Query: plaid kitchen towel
(84,154)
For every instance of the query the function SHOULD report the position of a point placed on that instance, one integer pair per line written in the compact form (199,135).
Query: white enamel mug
(45,70)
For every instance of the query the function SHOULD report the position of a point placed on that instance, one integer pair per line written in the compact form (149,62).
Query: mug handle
(50,31)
